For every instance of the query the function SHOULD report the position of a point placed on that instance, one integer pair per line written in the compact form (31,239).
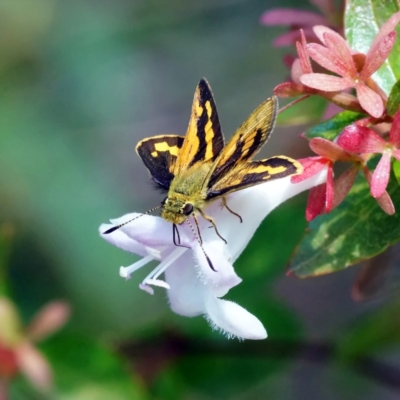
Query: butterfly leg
(209,219)
(175,234)
(198,229)
(232,212)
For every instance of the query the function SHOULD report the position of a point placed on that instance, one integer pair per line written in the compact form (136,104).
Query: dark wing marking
(246,141)
(254,173)
(159,154)
(204,139)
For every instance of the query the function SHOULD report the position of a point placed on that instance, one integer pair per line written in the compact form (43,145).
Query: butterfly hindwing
(204,140)
(159,154)
(247,140)
(254,173)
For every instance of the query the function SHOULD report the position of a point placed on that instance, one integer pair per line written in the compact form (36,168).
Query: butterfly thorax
(186,194)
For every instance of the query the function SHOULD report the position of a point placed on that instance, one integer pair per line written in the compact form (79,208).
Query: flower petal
(51,318)
(316,202)
(149,230)
(311,165)
(370,101)
(324,82)
(384,201)
(330,190)
(256,202)
(329,150)
(186,293)
(360,139)
(380,176)
(290,16)
(320,30)
(377,55)
(304,57)
(343,185)
(34,366)
(121,240)
(233,320)
(395,130)
(342,59)
(385,29)
(330,60)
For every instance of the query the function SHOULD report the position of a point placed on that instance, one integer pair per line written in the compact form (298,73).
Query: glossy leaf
(357,230)
(332,127)
(393,103)
(362,22)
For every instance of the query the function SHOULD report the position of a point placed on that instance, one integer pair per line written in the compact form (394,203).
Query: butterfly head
(176,209)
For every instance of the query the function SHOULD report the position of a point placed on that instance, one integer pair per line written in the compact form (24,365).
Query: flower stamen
(151,279)
(125,272)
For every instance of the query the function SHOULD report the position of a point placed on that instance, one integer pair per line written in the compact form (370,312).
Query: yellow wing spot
(154,154)
(164,146)
(209,132)
(271,170)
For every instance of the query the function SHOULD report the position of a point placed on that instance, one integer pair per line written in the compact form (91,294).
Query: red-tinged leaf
(380,176)
(316,202)
(343,185)
(329,150)
(360,139)
(395,130)
(311,166)
(325,83)
(291,16)
(291,37)
(377,55)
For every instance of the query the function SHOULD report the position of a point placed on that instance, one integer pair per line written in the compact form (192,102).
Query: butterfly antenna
(114,228)
(201,245)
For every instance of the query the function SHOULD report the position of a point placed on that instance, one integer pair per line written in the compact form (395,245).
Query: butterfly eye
(187,209)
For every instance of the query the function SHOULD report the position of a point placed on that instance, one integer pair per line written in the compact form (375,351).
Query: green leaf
(394,99)
(332,127)
(362,22)
(357,230)
(85,370)
(396,170)
(306,112)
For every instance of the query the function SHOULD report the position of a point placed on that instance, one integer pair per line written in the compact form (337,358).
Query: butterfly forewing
(233,169)
(247,140)
(159,154)
(204,140)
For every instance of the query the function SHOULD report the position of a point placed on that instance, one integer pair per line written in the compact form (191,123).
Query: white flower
(193,287)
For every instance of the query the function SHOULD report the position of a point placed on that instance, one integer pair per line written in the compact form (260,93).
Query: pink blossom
(354,70)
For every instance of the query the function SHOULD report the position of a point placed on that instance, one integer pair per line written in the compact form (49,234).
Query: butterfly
(199,168)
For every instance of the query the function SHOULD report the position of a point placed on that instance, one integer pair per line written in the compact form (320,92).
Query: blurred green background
(81,81)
